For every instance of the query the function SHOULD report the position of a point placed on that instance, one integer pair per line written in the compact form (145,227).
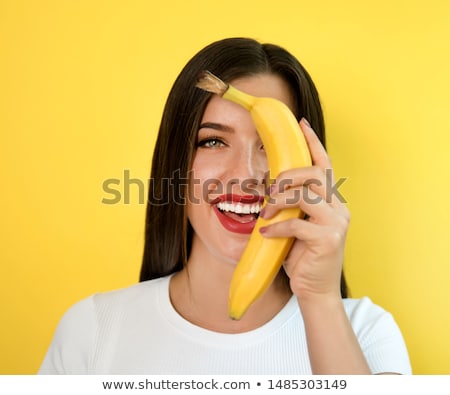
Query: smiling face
(228,171)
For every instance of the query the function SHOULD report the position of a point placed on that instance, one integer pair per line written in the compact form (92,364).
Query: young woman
(175,321)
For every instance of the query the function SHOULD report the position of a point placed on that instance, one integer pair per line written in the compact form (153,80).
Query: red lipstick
(236,222)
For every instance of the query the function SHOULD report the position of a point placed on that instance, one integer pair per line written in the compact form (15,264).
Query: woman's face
(228,172)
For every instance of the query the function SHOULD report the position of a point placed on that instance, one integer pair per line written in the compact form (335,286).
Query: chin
(230,257)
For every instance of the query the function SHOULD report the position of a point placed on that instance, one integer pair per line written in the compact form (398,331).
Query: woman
(176,320)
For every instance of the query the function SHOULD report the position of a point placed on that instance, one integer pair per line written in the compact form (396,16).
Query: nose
(250,168)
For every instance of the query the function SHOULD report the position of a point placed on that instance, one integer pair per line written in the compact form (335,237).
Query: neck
(199,293)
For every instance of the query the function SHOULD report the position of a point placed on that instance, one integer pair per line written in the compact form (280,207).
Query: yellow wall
(82,85)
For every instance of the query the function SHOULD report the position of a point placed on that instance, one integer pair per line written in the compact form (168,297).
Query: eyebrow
(216,126)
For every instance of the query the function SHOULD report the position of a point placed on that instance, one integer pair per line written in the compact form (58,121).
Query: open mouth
(238,213)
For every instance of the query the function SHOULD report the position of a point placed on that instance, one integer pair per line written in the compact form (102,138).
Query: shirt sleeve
(380,338)
(71,349)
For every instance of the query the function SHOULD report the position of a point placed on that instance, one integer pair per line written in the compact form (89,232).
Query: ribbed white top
(136,330)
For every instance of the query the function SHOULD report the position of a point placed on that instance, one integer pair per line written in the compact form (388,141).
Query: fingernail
(272,189)
(263,229)
(305,121)
(262,212)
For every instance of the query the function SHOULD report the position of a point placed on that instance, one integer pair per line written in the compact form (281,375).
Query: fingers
(302,196)
(319,155)
(302,230)
(314,177)
(314,261)
(289,187)
(330,236)
(308,187)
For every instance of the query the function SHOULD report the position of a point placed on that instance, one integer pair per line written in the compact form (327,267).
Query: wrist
(320,301)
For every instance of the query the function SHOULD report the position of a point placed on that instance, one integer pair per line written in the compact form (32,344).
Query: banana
(286,148)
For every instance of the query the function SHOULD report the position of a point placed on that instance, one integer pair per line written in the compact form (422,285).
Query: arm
(332,344)
(314,264)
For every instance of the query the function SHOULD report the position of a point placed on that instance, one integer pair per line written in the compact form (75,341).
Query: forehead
(266,85)
(223,111)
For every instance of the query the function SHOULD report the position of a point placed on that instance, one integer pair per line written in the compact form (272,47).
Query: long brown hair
(168,234)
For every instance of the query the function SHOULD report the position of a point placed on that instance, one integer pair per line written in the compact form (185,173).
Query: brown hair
(168,234)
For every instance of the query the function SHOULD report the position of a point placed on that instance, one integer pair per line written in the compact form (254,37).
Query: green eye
(211,143)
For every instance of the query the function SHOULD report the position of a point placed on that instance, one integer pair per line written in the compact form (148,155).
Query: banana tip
(235,316)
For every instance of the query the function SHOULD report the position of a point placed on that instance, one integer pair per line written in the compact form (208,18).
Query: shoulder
(363,309)
(367,318)
(88,321)
(114,301)
(379,336)
(134,295)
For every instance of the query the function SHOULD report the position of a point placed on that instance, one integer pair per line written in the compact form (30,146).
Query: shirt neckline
(218,339)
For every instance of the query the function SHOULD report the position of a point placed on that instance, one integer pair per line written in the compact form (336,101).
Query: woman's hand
(314,263)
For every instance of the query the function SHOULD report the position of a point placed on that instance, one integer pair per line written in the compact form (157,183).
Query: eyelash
(218,140)
(208,140)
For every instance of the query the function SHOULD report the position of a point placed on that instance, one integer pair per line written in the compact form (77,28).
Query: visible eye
(211,142)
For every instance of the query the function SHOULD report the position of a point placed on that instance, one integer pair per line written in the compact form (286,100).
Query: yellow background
(82,86)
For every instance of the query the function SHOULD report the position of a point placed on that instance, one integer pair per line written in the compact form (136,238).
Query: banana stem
(211,83)
(239,97)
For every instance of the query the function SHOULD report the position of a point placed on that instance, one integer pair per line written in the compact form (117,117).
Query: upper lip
(231,197)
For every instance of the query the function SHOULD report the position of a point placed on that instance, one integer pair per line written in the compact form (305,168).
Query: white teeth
(240,208)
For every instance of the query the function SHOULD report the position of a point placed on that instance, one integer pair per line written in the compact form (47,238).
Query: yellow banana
(285,148)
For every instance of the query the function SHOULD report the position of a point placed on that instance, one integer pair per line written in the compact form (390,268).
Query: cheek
(205,179)
(201,186)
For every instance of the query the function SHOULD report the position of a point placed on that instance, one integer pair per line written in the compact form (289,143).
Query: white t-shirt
(136,330)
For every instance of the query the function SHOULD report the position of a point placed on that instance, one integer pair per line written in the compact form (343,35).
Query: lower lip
(234,226)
